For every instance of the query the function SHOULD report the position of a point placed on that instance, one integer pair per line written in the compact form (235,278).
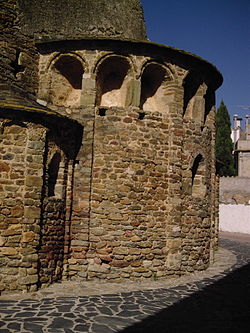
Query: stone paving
(216,300)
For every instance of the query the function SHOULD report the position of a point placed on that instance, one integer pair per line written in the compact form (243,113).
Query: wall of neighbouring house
(234,211)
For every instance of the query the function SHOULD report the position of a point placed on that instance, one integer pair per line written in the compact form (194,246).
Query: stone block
(83,274)
(2,241)
(28,237)
(141,269)
(136,263)
(134,251)
(101,244)
(27,250)
(4,167)
(98,231)
(32,212)
(72,261)
(121,251)
(8,251)
(14,229)
(135,239)
(30,257)
(88,99)
(17,211)
(104,251)
(76,268)
(119,263)
(103,268)
(105,258)
(5,211)
(9,271)
(30,279)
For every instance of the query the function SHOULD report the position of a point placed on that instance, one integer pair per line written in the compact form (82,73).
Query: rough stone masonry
(107,148)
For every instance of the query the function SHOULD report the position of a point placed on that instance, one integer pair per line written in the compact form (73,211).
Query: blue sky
(216,30)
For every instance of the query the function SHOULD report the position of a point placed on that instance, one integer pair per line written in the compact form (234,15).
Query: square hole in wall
(141,115)
(102,112)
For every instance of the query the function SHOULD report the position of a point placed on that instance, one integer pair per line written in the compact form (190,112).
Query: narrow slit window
(198,177)
(53,171)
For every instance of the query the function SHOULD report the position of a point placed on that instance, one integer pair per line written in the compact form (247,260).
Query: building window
(199,188)
(53,172)
(209,106)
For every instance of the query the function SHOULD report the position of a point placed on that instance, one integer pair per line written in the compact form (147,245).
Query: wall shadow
(223,307)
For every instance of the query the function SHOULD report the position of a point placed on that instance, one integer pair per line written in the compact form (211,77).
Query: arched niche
(199,188)
(66,81)
(194,102)
(112,82)
(153,88)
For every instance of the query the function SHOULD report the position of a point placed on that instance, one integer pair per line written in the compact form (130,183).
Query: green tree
(223,143)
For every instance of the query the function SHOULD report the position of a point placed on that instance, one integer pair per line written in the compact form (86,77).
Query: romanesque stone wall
(197,206)
(35,200)
(129,195)
(22,147)
(234,190)
(200,207)
(132,196)
(52,238)
(56,209)
(144,199)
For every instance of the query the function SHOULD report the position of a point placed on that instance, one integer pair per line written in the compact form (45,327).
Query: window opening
(141,115)
(102,112)
(53,170)
(209,103)
(17,68)
(198,177)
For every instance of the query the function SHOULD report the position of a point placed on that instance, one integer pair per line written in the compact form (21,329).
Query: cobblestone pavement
(217,300)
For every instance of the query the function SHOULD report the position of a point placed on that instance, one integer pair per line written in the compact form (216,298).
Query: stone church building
(107,164)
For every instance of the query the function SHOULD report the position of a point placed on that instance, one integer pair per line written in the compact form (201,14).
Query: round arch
(57,55)
(170,71)
(110,55)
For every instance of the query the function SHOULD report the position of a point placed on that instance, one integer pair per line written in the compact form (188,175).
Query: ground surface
(217,300)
